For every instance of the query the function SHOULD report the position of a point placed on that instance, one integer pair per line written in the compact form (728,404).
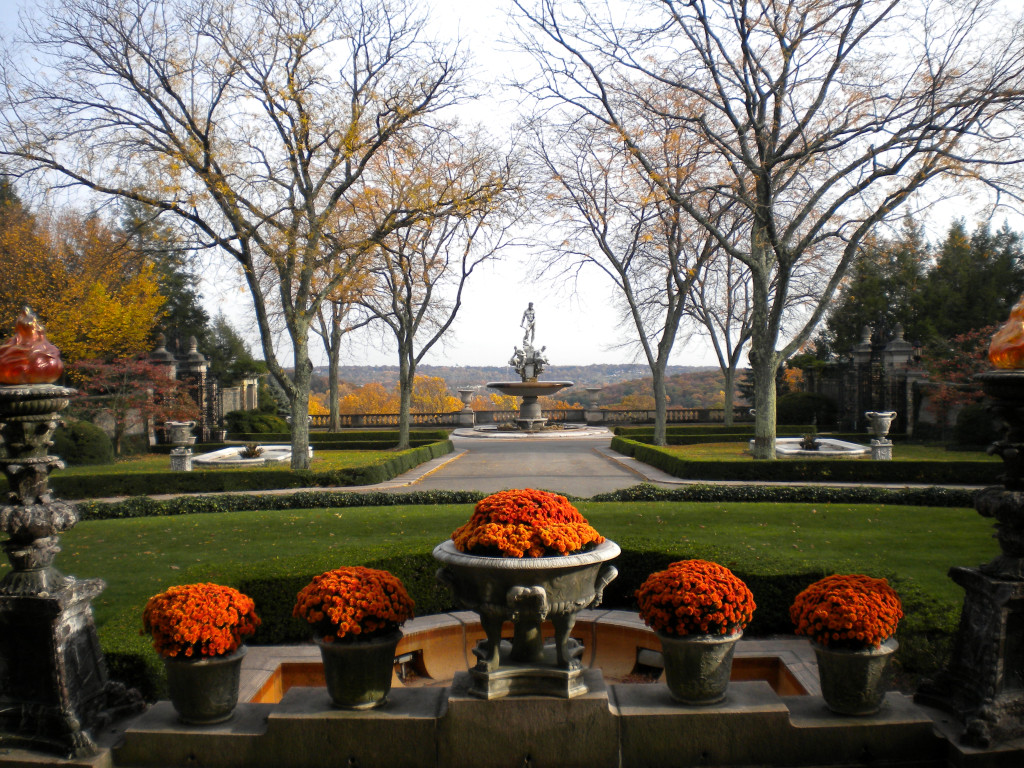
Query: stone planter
(854,682)
(697,667)
(527,591)
(204,691)
(358,673)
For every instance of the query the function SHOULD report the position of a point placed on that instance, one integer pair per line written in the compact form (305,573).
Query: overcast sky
(578,327)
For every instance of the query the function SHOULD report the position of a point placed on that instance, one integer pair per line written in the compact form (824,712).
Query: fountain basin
(789,447)
(231,457)
(530,418)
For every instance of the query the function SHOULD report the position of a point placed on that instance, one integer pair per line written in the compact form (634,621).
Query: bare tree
(253,122)
(607,213)
(419,271)
(824,117)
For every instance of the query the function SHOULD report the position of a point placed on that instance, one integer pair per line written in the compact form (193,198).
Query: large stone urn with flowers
(356,614)
(527,556)
(699,610)
(851,620)
(198,630)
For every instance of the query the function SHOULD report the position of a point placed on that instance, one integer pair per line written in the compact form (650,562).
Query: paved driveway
(573,466)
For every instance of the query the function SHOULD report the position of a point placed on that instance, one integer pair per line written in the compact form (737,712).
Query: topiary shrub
(805,408)
(255,422)
(81,443)
(975,426)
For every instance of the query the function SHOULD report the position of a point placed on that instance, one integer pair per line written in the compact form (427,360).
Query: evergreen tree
(974,283)
(883,290)
(184,315)
(229,356)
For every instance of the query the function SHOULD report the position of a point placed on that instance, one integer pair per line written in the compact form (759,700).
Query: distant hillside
(692,389)
(687,385)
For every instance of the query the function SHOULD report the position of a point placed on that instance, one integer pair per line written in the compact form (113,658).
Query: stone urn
(698,667)
(854,682)
(204,691)
(179,433)
(880,422)
(527,591)
(358,672)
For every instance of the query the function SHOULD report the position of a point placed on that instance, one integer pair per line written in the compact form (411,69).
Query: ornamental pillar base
(983,684)
(54,686)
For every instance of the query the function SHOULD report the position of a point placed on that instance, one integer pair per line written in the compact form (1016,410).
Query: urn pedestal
(54,686)
(527,591)
(983,684)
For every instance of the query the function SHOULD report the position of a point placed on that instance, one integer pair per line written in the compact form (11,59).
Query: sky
(576,321)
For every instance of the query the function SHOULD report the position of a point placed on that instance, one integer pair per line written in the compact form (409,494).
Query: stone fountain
(529,363)
(54,687)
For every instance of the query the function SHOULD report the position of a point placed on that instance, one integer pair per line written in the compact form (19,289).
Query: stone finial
(28,357)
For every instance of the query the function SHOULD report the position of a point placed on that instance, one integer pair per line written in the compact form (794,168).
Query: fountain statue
(529,363)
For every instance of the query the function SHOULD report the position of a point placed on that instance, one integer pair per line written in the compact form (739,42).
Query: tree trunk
(763,367)
(406,373)
(660,404)
(333,361)
(728,401)
(299,403)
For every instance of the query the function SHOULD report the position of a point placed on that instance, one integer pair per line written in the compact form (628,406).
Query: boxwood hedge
(814,470)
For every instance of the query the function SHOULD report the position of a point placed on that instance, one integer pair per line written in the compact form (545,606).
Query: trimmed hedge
(145,506)
(354,440)
(706,429)
(814,470)
(797,494)
(82,443)
(924,635)
(144,483)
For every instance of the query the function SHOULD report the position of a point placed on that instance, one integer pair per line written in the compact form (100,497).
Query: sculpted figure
(528,324)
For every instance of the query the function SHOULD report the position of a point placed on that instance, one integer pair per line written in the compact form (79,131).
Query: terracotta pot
(854,682)
(697,667)
(204,691)
(358,673)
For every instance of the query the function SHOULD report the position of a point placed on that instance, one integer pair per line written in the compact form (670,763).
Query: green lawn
(323,460)
(739,451)
(140,557)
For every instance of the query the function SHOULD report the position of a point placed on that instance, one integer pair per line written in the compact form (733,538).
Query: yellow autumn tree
(430,394)
(97,296)
(369,398)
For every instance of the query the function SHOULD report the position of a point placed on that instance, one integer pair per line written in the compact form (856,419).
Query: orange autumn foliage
(695,597)
(353,603)
(196,620)
(847,611)
(525,522)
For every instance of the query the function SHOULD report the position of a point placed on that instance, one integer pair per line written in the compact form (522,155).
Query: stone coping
(437,647)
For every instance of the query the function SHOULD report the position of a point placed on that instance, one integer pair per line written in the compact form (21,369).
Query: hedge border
(145,483)
(814,470)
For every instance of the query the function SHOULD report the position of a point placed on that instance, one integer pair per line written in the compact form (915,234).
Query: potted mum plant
(198,630)
(526,556)
(699,610)
(356,614)
(851,620)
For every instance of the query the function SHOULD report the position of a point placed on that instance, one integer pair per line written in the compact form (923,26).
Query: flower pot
(358,672)
(526,591)
(204,691)
(854,682)
(697,667)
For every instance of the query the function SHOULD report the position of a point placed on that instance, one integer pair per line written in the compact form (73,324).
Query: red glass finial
(27,357)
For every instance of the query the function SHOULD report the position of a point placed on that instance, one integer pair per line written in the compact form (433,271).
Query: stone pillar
(592,414)
(54,687)
(983,685)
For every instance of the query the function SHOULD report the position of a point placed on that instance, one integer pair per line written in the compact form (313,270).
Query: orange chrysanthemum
(196,620)
(525,522)
(851,611)
(695,597)
(353,603)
